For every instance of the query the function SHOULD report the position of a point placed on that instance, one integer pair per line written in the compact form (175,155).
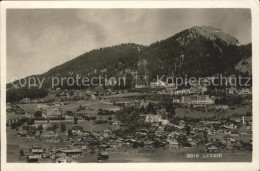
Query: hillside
(197,51)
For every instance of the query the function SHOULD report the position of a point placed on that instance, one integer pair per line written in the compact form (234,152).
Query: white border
(236,166)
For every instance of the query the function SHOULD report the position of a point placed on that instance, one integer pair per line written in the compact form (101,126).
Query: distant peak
(214,33)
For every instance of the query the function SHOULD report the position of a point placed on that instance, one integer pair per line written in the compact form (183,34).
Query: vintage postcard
(130,85)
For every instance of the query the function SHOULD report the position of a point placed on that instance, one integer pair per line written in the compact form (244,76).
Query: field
(167,156)
(15,144)
(238,110)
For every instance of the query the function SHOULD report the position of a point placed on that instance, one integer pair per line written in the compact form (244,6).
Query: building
(196,100)
(173,144)
(231,90)
(32,159)
(245,91)
(153,118)
(156,119)
(37,151)
(77,130)
(26,100)
(182,92)
(72,152)
(50,111)
(158,84)
(127,103)
(53,112)
(103,156)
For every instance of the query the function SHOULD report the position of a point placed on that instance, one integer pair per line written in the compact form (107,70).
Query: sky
(40,39)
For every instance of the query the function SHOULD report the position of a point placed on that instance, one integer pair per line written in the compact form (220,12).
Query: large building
(49,111)
(156,119)
(196,100)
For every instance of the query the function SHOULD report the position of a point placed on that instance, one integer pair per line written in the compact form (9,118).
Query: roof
(104,153)
(213,148)
(32,157)
(37,150)
(72,151)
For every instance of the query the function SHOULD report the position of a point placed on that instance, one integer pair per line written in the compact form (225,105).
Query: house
(150,118)
(92,97)
(37,151)
(32,159)
(72,152)
(223,130)
(211,148)
(182,92)
(22,133)
(50,111)
(228,140)
(77,130)
(173,144)
(231,90)
(26,100)
(198,89)
(115,125)
(107,132)
(103,156)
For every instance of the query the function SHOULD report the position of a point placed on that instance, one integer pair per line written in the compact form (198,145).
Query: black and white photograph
(129,85)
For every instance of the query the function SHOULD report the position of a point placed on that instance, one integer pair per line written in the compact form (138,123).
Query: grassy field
(166,155)
(74,105)
(239,110)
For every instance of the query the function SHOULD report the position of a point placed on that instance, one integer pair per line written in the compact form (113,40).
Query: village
(107,125)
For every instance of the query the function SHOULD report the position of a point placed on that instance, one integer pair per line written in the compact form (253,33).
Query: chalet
(212,148)
(32,159)
(223,130)
(77,130)
(228,140)
(72,152)
(103,156)
(173,144)
(107,133)
(140,85)
(37,151)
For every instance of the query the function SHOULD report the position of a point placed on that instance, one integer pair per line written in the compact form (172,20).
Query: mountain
(196,51)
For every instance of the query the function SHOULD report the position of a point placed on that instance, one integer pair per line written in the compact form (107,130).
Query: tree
(40,128)
(54,127)
(62,127)
(150,108)
(170,109)
(30,122)
(75,120)
(187,129)
(70,133)
(38,114)
(21,153)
